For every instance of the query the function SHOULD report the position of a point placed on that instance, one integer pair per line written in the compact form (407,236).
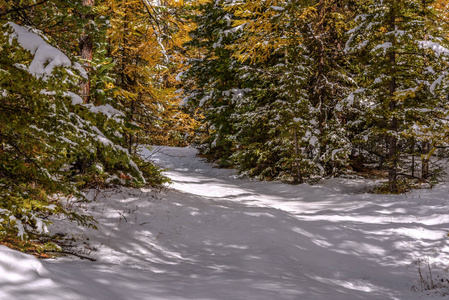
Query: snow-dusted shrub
(52,144)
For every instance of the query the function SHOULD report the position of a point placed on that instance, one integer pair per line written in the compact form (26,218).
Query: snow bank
(16,266)
(24,277)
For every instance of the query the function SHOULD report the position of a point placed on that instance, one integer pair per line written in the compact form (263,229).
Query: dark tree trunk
(86,46)
(426,145)
(425,161)
(393,126)
(321,93)
(413,158)
(298,178)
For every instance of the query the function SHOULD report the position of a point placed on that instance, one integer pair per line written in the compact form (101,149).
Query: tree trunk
(425,160)
(393,126)
(320,84)
(86,47)
(131,136)
(413,158)
(426,145)
(393,162)
(298,178)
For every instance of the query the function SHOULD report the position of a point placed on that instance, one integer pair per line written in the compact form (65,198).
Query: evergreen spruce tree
(212,80)
(284,124)
(401,52)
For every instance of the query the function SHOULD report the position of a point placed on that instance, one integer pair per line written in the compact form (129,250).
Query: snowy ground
(213,236)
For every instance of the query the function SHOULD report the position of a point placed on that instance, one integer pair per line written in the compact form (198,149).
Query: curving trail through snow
(214,236)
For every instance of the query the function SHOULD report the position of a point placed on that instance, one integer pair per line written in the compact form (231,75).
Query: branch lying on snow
(71,253)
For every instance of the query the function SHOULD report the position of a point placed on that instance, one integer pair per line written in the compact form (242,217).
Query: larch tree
(144,44)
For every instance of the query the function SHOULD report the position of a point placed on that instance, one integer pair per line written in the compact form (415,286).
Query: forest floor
(210,235)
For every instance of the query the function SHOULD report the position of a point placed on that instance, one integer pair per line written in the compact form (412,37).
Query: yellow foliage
(268,26)
(146,43)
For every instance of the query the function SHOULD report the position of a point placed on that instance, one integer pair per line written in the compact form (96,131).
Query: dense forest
(297,90)
(280,90)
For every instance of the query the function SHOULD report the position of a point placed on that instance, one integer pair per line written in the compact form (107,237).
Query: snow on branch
(435,47)
(46,57)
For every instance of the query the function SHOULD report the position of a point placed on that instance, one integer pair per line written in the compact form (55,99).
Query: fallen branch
(71,253)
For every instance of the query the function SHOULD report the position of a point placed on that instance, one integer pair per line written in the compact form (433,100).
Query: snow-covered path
(212,236)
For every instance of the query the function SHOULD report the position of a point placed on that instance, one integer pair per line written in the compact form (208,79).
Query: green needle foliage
(52,144)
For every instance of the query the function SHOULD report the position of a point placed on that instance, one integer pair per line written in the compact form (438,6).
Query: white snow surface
(211,235)
(46,57)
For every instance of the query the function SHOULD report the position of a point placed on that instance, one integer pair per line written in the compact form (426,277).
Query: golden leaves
(269,26)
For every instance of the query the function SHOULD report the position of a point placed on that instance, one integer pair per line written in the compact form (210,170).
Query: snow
(277,8)
(210,235)
(179,77)
(430,70)
(46,57)
(106,109)
(435,47)
(76,99)
(349,101)
(19,226)
(383,46)
(16,267)
(436,83)
(204,100)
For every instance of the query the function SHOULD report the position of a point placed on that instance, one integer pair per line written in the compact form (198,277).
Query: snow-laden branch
(46,57)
